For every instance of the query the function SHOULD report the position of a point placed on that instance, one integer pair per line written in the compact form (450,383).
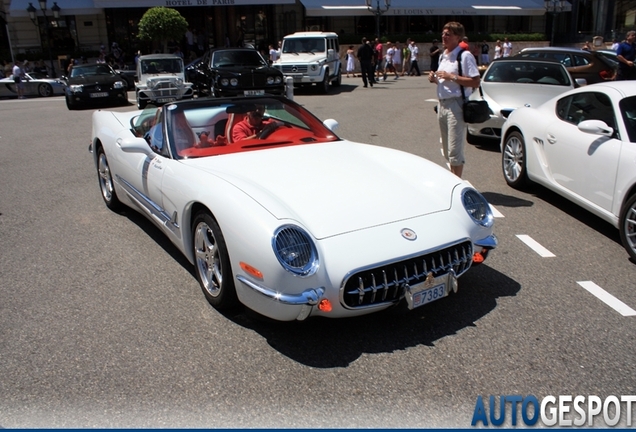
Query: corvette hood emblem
(408,234)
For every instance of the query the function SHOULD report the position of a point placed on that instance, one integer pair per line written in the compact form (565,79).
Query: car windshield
(231,58)
(96,69)
(157,66)
(208,127)
(628,109)
(307,45)
(527,72)
(36,75)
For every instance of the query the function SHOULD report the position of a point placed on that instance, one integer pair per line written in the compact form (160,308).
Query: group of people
(376,61)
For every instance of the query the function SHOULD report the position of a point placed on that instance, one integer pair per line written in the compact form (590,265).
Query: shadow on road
(330,343)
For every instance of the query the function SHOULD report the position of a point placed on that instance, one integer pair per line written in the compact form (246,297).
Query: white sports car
(510,83)
(582,145)
(35,84)
(294,221)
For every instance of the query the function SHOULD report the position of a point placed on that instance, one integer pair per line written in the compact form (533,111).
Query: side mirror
(135,145)
(331,124)
(596,127)
(580,82)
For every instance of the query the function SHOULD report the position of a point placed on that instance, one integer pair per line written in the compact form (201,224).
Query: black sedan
(95,84)
(235,72)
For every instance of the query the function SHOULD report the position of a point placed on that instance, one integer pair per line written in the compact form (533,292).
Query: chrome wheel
(513,160)
(106,181)
(628,227)
(212,262)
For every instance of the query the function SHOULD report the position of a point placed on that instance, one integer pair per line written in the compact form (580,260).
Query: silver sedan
(35,84)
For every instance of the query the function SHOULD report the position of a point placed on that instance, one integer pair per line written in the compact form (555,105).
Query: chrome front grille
(291,69)
(386,284)
(165,89)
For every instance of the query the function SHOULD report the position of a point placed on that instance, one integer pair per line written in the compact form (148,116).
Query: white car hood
(515,95)
(301,58)
(334,188)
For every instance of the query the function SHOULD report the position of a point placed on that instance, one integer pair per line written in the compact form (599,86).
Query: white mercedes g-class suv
(311,58)
(161,79)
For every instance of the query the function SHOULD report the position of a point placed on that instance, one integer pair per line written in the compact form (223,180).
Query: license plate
(254,92)
(100,94)
(164,100)
(426,292)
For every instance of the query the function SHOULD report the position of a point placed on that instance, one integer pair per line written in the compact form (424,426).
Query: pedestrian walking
(450,82)
(18,79)
(365,57)
(415,54)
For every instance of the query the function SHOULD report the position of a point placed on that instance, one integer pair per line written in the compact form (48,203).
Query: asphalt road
(103,324)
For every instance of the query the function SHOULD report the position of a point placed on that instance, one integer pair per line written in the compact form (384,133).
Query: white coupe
(295,222)
(582,145)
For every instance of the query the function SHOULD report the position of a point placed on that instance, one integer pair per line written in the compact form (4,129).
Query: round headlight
(270,80)
(234,82)
(278,80)
(179,81)
(314,67)
(477,207)
(119,85)
(295,250)
(224,81)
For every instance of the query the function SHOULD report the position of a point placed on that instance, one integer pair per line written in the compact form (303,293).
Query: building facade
(85,25)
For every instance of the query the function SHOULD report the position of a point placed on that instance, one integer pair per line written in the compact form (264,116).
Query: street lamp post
(378,11)
(554,7)
(34,19)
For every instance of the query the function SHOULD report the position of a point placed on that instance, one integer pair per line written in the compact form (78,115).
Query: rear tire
(513,161)
(212,262)
(627,227)
(337,81)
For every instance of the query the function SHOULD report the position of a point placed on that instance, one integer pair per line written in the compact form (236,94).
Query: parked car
(276,222)
(35,84)
(129,75)
(230,72)
(311,58)
(161,79)
(582,145)
(589,65)
(509,83)
(91,84)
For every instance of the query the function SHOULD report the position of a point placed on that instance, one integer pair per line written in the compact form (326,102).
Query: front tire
(70,104)
(212,262)
(324,85)
(45,90)
(106,184)
(627,227)
(513,161)
(141,104)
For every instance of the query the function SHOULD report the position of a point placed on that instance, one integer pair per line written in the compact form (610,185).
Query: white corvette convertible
(291,220)
(582,145)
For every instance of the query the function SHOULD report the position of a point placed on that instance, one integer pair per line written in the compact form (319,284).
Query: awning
(429,7)
(18,8)
(185,3)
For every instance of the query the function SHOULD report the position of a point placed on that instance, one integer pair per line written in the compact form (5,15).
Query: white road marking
(496,213)
(535,246)
(607,298)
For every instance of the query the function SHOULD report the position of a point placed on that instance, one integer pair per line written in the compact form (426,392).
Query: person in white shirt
(18,79)
(507,48)
(389,65)
(273,54)
(449,82)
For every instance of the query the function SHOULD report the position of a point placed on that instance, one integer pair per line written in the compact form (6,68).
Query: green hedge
(348,39)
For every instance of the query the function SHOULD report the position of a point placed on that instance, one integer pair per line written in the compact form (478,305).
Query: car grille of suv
(290,69)
(386,284)
(164,89)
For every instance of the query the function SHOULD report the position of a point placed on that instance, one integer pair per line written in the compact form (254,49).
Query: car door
(584,164)
(142,175)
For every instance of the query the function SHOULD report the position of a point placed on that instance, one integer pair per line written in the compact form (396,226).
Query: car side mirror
(331,124)
(596,127)
(580,82)
(135,145)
